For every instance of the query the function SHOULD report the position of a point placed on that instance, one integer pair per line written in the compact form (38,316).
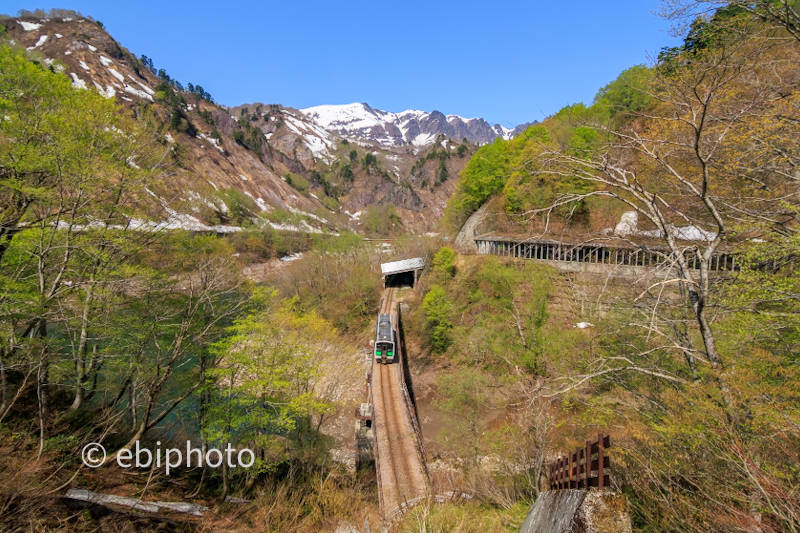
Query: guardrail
(576,470)
(407,397)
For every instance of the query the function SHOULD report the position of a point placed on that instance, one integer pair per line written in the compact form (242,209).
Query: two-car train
(385,340)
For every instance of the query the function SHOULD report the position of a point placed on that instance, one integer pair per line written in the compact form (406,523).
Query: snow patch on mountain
(77,82)
(410,127)
(319,141)
(40,42)
(29,26)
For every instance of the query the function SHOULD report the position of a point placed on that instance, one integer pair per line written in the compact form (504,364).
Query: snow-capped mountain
(419,128)
(289,168)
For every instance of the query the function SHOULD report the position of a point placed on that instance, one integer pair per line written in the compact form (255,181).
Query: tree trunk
(80,360)
(41,395)
(94,370)
(3,385)
(132,403)
(42,378)
(224,481)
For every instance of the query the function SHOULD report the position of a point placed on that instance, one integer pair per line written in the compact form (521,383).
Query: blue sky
(507,61)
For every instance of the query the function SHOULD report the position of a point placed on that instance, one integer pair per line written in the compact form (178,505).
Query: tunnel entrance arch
(404,272)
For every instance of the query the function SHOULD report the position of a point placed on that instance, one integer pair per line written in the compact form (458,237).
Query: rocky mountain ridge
(411,127)
(278,165)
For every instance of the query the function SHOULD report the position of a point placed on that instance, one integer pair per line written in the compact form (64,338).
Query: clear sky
(506,61)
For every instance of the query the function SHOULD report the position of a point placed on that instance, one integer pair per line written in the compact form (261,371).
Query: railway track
(401,472)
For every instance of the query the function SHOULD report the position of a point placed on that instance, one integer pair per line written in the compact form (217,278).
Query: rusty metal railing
(577,470)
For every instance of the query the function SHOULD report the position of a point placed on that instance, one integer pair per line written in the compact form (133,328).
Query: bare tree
(691,172)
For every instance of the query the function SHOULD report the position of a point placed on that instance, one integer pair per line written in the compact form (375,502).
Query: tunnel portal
(403,272)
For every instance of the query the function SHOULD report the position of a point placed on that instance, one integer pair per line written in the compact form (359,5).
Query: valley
(176,270)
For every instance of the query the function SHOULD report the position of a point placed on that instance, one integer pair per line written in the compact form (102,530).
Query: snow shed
(402,272)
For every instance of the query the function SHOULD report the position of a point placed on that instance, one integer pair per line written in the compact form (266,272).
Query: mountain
(411,127)
(285,168)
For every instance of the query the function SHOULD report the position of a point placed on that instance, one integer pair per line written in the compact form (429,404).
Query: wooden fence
(581,470)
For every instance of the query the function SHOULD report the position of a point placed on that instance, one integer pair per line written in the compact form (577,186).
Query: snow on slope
(318,140)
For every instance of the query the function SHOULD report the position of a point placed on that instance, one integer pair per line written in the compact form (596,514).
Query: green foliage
(629,93)
(249,136)
(438,324)
(485,174)
(433,153)
(252,244)
(465,517)
(441,173)
(60,148)
(298,182)
(381,220)
(369,160)
(445,261)
(263,388)
(494,313)
(329,186)
(336,280)
(710,32)
(346,173)
(584,141)
(504,169)
(240,206)
(331,203)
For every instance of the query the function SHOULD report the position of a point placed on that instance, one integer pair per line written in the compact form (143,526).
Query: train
(385,340)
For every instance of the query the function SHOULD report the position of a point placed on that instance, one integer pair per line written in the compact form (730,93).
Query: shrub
(381,220)
(445,261)
(298,182)
(240,206)
(370,160)
(437,319)
(330,203)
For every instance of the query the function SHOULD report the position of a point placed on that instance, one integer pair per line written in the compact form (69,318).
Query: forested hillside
(255,165)
(695,372)
(118,329)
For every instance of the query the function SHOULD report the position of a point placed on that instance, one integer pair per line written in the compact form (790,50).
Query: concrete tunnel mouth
(402,273)
(401,279)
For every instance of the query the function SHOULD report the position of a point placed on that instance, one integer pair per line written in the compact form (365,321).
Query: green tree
(266,383)
(485,174)
(630,93)
(438,324)
(73,168)
(370,160)
(445,261)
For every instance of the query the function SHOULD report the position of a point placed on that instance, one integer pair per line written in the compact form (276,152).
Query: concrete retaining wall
(578,511)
